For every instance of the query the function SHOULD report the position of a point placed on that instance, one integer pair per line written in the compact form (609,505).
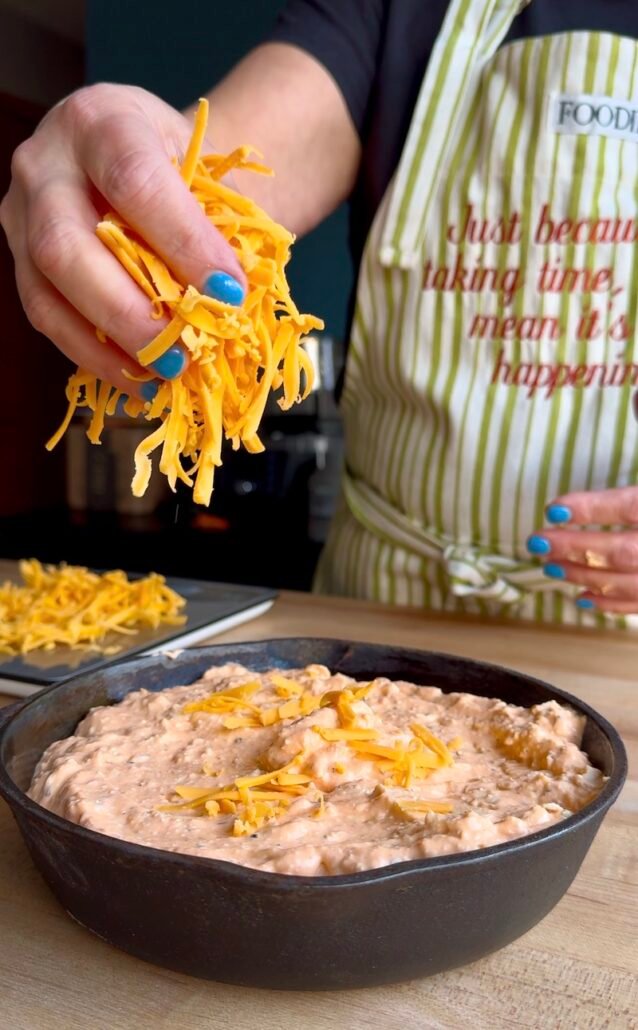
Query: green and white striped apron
(491,361)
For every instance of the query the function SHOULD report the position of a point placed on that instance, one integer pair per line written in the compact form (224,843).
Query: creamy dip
(489,773)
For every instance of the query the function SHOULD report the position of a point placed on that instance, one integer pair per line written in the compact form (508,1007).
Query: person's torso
(492,356)
(410,31)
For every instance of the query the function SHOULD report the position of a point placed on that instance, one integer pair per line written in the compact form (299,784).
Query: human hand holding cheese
(119,158)
(107,148)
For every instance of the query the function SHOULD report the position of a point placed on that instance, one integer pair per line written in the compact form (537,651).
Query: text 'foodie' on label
(586,114)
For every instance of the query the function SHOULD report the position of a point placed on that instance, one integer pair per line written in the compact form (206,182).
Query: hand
(603,561)
(107,147)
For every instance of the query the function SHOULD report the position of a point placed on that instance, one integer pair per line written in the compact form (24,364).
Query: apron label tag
(586,114)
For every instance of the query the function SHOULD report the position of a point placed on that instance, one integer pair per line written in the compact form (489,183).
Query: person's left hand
(603,561)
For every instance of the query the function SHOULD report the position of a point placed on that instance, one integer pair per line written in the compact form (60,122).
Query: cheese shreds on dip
(310,773)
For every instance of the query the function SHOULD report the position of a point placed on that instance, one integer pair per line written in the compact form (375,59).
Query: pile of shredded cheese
(256,799)
(238,355)
(73,607)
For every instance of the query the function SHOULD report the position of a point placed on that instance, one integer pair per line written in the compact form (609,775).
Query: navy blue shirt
(377,52)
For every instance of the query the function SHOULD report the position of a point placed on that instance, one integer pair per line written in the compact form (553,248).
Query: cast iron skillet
(224,922)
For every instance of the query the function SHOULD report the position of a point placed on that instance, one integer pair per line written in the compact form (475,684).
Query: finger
(595,603)
(51,315)
(12,218)
(125,159)
(75,337)
(618,506)
(594,549)
(63,246)
(619,586)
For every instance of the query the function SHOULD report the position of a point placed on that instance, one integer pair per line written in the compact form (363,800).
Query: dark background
(269,512)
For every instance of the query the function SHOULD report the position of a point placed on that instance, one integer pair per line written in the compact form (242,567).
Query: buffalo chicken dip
(310,773)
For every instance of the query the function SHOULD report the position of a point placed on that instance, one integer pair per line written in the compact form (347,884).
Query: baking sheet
(210,608)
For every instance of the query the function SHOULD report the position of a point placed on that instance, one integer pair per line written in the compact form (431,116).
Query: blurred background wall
(41,59)
(270,512)
(41,48)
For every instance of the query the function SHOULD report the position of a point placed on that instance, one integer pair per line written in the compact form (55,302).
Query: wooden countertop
(576,969)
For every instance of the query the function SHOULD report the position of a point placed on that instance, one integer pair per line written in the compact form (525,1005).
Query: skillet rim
(285,882)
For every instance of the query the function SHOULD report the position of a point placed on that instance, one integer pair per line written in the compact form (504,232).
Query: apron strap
(471,33)
(471,571)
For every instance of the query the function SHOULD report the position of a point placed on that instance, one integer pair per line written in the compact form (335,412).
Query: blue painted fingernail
(538,544)
(148,391)
(171,364)
(558,513)
(224,287)
(585,602)
(554,571)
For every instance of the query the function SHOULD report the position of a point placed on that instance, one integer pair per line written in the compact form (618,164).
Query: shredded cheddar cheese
(237,355)
(350,734)
(263,797)
(433,743)
(73,607)
(251,800)
(225,700)
(413,808)
(300,703)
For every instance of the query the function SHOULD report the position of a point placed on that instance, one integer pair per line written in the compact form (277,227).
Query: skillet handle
(8,711)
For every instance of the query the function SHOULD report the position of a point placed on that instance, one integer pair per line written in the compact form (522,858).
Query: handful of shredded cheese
(71,606)
(237,354)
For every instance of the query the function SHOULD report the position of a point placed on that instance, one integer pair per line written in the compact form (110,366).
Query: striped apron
(491,364)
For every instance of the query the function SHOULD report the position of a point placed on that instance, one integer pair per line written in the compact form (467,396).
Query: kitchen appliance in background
(270,512)
(304,448)
(98,477)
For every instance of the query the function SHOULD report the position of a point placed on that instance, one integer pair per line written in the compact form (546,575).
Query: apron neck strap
(471,33)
